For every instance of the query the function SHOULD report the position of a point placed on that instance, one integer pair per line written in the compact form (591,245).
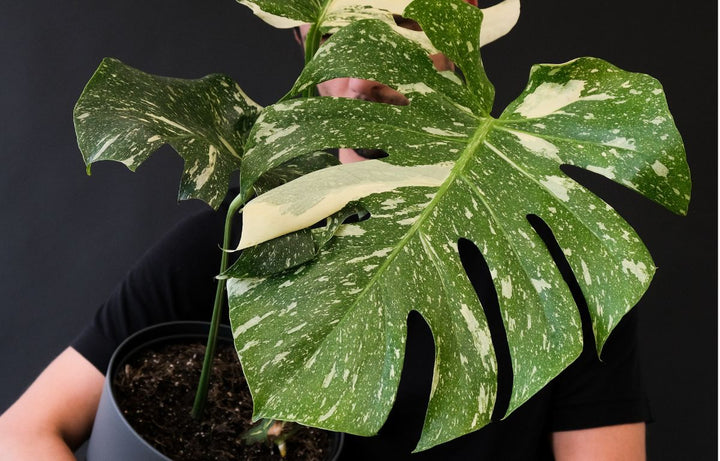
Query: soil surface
(155,391)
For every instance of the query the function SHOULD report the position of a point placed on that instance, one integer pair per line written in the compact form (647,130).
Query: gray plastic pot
(112,438)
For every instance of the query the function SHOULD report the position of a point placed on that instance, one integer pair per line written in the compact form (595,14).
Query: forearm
(55,415)
(623,442)
(19,445)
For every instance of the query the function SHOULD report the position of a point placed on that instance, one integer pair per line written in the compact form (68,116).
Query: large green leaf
(125,115)
(323,344)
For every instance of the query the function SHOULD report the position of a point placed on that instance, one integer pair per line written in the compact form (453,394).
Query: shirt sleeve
(594,392)
(174,280)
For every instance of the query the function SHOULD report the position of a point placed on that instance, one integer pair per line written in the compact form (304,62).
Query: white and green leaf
(323,344)
(125,115)
(317,195)
(332,15)
(291,249)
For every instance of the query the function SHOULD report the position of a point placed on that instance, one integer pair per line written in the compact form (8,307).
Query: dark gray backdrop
(68,238)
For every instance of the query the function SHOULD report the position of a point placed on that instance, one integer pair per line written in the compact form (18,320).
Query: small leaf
(290,250)
(125,115)
(259,432)
(295,248)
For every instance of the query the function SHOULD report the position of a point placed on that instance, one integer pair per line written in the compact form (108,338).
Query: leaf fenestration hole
(556,252)
(370,153)
(478,272)
(415,382)
(623,199)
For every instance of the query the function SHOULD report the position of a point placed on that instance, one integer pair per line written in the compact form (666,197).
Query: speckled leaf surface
(316,195)
(125,115)
(290,250)
(323,344)
(331,15)
(292,169)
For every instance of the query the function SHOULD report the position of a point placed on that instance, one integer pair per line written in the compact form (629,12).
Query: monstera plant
(319,312)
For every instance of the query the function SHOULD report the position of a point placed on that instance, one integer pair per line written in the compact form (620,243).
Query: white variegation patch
(660,169)
(310,198)
(440,132)
(349,230)
(169,122)
(506,287)
(622,142)
(638,269)
(250,323)
(205,175)
(540,285)
(107,143)
(419,87)
(538,145)
(608,172)
(559,186)
(241,286)
(549,98)
(481,339)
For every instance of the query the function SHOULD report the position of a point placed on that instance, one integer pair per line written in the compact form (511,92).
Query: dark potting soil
(156,388)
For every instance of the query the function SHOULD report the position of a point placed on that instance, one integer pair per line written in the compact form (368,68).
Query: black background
(68,238)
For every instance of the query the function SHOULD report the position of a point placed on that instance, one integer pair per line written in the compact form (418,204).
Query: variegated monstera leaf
(331,15)
(125,115)
(323,343)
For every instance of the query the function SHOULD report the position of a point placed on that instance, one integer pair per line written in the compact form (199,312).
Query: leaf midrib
(477,138)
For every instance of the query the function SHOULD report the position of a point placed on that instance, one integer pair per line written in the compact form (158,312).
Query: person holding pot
(592,411)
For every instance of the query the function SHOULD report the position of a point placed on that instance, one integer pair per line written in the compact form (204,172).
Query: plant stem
(312,43)
(203,385)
